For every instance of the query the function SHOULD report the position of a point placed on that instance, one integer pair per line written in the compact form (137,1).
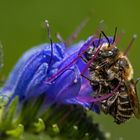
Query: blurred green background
(21,27)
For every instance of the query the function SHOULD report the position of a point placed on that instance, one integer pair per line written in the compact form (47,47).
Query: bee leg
(100,89)
(102,64)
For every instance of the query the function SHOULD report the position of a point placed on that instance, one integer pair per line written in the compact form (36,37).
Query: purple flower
(58,76)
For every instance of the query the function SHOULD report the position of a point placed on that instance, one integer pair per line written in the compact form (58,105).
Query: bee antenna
(130,44)
(106,38)
(115,33)
(50,38)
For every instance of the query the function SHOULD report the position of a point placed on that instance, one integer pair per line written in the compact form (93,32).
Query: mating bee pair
(110,76)
(112,72)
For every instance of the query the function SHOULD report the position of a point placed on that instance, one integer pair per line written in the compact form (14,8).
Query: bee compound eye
(110,53)
(123,63)
(107,54)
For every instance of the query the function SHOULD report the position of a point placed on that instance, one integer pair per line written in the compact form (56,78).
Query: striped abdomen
(119,107)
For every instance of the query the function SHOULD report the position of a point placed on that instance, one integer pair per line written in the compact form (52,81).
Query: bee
(111,68)
(110,71)
(123,104)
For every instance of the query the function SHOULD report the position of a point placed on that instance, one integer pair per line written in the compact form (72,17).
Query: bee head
(108,50)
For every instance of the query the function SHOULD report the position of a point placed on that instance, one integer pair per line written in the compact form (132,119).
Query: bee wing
(134,99)
(137,106)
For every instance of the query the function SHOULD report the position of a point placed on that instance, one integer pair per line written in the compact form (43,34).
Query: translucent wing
(134,99)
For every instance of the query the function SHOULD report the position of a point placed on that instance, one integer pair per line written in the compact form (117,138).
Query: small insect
(110,69)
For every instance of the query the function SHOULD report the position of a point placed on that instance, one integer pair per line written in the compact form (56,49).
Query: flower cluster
(54,71)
